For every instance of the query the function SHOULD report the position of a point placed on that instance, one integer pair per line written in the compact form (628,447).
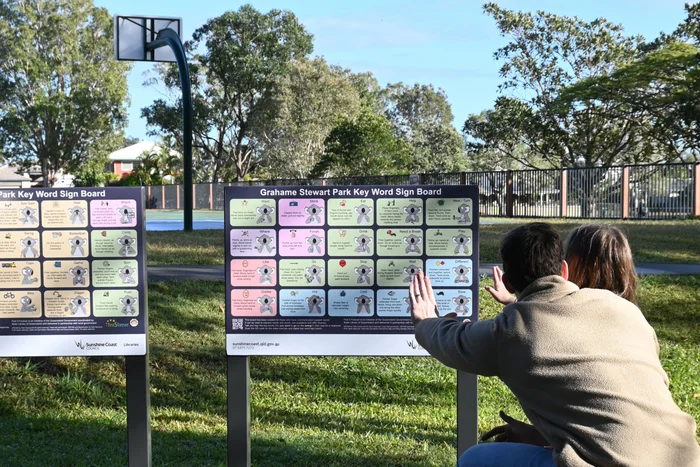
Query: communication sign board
(72,272)
(325,270)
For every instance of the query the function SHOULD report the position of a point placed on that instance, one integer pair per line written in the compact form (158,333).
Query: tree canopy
(305,105)
(243,53)
(422,117)
(572,93)
(62,95)
(545,54)
(658,91)
(363,146)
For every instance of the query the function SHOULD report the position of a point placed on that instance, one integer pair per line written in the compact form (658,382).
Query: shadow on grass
(672,305)
(57,442)
(373,383)
(421,432)
(166,306)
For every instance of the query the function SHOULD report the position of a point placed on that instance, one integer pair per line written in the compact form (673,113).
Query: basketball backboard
(132,33)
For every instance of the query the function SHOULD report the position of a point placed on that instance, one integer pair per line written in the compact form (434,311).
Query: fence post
(509,193)
(696,190)
(162,196)
(386,179)
(148,199)
(211,196)
(194,196)
(324,182)
(463,178)
(625,193)
(177,197)
(421,178)
(563,193)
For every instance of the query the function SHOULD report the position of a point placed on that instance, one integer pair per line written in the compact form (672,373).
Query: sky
(447,43)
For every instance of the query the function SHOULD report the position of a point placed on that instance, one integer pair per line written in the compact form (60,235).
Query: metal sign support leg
(238,390)
(138,411)
(467,417)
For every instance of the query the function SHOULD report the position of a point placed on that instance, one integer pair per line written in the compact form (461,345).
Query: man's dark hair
(529,252)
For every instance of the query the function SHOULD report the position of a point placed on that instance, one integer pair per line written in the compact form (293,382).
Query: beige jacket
(584,365)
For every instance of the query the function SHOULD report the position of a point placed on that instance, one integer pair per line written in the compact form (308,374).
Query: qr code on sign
(237,324)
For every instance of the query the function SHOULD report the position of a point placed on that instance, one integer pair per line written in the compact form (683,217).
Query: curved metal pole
(168,37)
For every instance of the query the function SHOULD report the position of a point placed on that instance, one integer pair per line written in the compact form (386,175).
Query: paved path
(216,273)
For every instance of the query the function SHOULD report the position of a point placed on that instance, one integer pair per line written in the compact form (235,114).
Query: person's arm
(466,346)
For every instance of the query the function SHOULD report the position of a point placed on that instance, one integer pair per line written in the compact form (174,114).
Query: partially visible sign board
(72,272)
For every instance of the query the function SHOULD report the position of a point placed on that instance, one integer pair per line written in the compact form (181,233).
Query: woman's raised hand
(499,291)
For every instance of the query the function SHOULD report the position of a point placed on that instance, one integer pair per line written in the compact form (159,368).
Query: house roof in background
(9,174)
(135,151)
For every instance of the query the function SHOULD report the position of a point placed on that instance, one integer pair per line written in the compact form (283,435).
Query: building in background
(12,176)
(9,178)
(60,178)
(123,161)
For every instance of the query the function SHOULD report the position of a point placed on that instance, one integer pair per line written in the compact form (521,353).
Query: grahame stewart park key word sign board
(326,270)
(72,272)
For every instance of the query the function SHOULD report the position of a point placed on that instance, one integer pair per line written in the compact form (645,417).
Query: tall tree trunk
(45,173)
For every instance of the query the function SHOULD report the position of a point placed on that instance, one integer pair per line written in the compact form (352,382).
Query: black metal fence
(662,191)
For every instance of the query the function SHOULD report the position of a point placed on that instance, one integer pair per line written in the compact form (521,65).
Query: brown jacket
(584,365)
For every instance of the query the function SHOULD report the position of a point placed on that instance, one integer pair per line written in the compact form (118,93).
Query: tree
(129,141)
(245,52)
(304,106)
(62,93)
(411,107)
(546,54)
(92,173)
(422,117)
(372,95)
(363,146)
(661,88)
(505,152)
(438,148)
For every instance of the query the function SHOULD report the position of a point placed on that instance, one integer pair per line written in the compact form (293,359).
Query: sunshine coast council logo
(94,345)
(414,345)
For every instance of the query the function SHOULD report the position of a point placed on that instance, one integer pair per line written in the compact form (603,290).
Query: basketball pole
(168,37)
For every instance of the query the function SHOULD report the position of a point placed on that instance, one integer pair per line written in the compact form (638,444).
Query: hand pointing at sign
(423,304)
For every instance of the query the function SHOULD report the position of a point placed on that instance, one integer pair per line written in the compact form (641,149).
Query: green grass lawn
(652,242)
(305,411)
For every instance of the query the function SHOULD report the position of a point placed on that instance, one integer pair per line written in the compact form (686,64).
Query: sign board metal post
(467,411)
(138,380)
(238,390)
(138,410)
